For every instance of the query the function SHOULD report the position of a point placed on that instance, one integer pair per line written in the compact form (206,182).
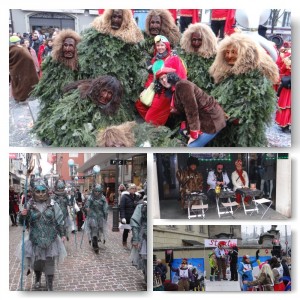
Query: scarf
(162,55)
(240,173)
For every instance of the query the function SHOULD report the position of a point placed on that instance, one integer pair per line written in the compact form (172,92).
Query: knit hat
(222,243)
(246,256)
(14,39)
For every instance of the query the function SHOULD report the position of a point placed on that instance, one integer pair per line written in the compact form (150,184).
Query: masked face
(68,48)
(105,97)
(196,41)
(155,25)
(116,19)
(231,55)
(193,167)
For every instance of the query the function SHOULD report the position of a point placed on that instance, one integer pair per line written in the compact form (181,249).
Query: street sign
(119,162)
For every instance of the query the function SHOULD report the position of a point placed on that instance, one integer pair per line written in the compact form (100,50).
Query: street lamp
(96,171)
(71,164)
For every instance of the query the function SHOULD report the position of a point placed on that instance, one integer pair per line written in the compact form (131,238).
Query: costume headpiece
(14,39)
(164,71)
(192,161)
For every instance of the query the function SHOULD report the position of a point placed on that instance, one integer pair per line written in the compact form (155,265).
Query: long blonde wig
(128,32)
(251,56)
(209,41)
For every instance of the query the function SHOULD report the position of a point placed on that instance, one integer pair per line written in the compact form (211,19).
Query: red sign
(12,155)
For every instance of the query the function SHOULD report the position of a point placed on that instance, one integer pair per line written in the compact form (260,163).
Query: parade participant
(184,274)
(241,62)
(216,177)
(58,70)
(159,111)
(239,179)
(127,206)
(233,259)
(213,267)
(265,279)
(160,22)
(13,206)
(187,17)
(190,180)
(161,269)
(115,38)
(93,104)
(44,247)
(22,72)
(245,271)
(203,114)
(277,270)
(62,199)
(96,217)
(284,93)
(198,50)
(132,134)
(138,223)
(80,215)
(221,259)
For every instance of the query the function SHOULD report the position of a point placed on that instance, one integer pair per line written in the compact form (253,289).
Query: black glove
(149,66)
(257,254)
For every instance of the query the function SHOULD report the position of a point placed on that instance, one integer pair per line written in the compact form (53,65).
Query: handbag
(147,95)
(286,82)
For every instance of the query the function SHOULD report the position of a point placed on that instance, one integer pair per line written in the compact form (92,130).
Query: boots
(38,276)
(95,244)
(211,278)
(50,282)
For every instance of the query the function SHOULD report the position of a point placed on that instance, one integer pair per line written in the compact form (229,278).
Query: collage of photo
(84,83)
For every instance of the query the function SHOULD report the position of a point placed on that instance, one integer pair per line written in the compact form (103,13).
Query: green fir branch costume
(244,90)
(199,60)
(57,72)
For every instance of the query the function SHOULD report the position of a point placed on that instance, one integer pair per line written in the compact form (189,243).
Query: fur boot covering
(128,32)
(198,63)
(251,56)
(168,26)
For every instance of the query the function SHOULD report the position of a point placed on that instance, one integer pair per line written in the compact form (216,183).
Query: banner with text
(211,243)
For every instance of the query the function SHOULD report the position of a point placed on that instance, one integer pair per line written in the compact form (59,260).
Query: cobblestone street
(82,269)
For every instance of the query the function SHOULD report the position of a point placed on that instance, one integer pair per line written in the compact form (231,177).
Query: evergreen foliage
(101,54)
(197,70)
(49,91)
(74,121)
(250,100)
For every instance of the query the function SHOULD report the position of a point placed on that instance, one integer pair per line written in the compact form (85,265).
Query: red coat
(219,14)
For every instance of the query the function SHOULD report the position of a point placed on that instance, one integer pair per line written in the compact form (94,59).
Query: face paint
(196,40)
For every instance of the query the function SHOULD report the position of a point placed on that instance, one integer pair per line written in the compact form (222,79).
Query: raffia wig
(128,32)
(168,29)
(209,41)
(58,46)
(117,136)
(251,56)
(91,89)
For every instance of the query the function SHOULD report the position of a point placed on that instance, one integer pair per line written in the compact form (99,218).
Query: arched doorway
(46,22)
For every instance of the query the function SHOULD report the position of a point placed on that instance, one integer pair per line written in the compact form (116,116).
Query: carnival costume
(132,134)
(61,197)
(43,248)
(189,180)
(96,218)
(168,28)
(159,111)
(199,60)
(22,73)
(245,92)
(57,72)
(138,223)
